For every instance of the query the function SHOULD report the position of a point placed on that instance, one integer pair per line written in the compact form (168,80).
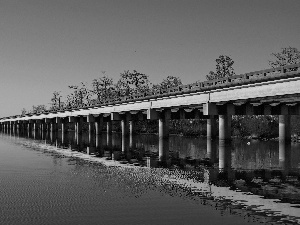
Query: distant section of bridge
(268,92)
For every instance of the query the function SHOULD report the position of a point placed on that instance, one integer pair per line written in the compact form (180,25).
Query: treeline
(133,83)
(103,89)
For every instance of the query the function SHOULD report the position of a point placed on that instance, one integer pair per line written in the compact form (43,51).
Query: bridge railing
(236,80)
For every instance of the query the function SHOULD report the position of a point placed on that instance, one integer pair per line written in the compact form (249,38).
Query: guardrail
(236,80)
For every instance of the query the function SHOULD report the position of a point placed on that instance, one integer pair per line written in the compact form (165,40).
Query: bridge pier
(284,142)
(163,135)
(91,122)
(98,124)
(284,128)
(79,124)
(125,132)
(224,139)
(211,127)
(58,123)
(225,127)
(131,133)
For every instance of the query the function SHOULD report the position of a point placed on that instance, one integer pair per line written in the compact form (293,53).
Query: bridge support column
(224,127)
(11,127)
(98,124)
(284,128)
(284,142)
(125,132)
(91,122)
(34,126)
(224,142)
(53,126)
(58,123)
(131,133)
(63,126)
(79,124)
(211,127)
(211,150)
(109,127)
(163,134)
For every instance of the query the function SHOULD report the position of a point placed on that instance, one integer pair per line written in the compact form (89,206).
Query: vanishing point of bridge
(267,92)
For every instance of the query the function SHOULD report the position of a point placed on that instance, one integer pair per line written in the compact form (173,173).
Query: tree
(39,109)
(170,82)
(132,82)
(223,68)
(81,95)
(287,56)
(102,88)
(23,112)
(56,101)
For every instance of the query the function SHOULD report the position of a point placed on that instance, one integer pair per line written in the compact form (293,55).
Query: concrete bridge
(268,92)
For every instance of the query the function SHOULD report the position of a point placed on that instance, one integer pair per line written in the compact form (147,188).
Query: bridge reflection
(237,163)
(237,170)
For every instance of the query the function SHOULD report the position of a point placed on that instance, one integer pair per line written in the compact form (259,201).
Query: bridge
(273,91)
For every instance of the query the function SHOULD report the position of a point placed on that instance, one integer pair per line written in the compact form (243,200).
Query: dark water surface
(52,178)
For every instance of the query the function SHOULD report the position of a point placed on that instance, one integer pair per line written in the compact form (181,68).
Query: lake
(54,178)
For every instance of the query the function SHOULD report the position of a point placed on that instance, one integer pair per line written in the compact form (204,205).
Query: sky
(47,45)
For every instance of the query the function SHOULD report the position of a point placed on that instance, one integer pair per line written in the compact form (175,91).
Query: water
(50,179)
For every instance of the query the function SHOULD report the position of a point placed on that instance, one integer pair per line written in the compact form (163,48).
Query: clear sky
(46,45)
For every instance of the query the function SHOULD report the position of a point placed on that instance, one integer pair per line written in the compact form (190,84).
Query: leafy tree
(223,68)
(170,82)
(23,112)
(56,101)
(39,109)
(102,88)
(287,56)
(81,95)
(132,82)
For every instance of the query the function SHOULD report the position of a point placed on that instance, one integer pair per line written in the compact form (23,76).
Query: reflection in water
(236,172)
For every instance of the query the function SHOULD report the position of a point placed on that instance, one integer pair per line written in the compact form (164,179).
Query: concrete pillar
(284,142)
(163,134)
(98,144)
(131,133)
(91,123)
(52,127)
(285,156)
(224,127)
(63,127)
(79,124)
(109,139)
(284,128)
(224,144)
(28,127)
(125,134)
(109,127)
(131,127)
(211,127)
(98,125)
(211,150)
(10,127)
(34,126)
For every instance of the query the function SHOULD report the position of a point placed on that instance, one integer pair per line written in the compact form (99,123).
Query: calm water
(52,178)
